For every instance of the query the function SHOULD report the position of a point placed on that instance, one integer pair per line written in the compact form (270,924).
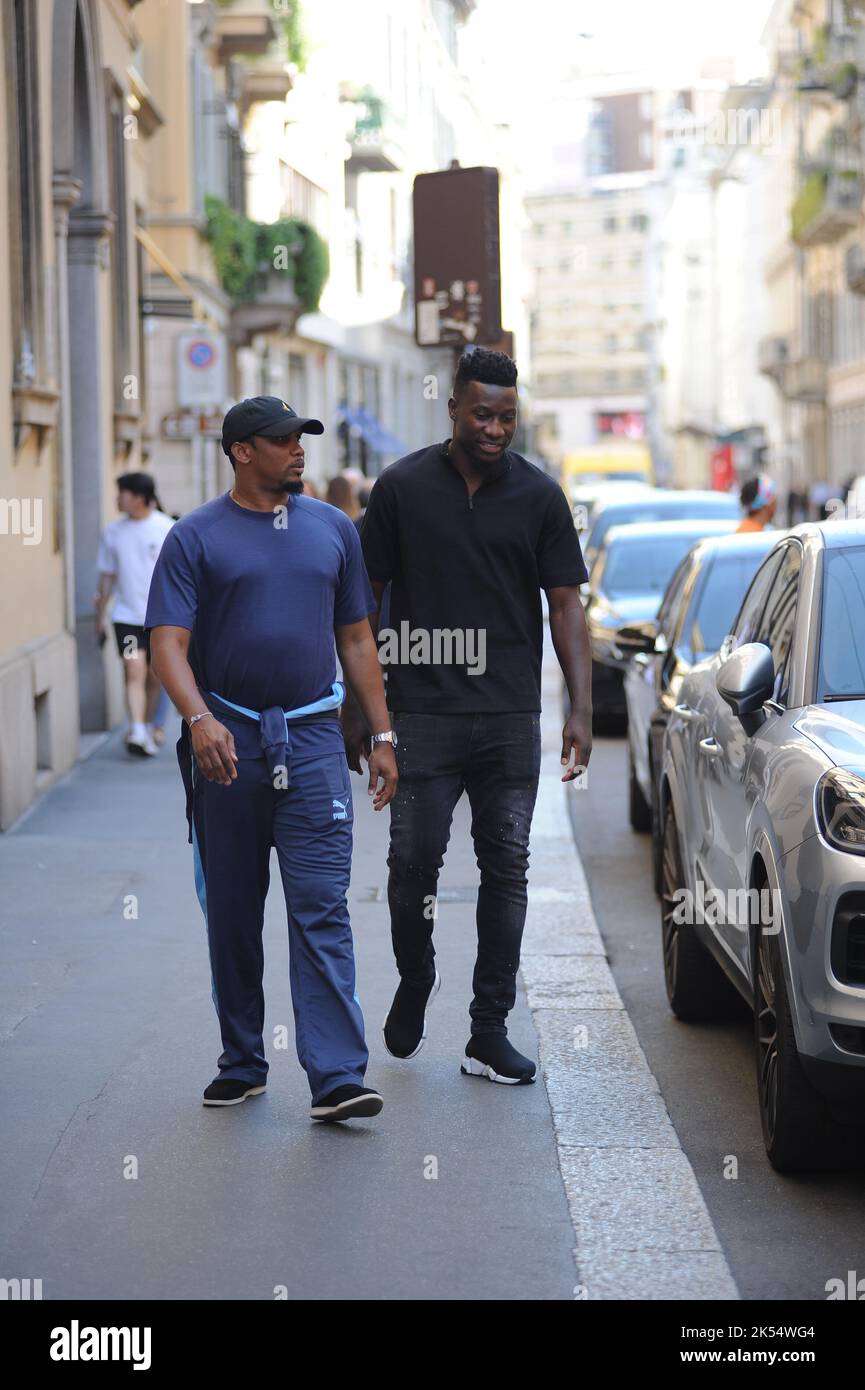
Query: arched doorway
(82,224)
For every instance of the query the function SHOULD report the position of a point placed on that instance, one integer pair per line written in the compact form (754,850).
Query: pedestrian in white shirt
(128,552)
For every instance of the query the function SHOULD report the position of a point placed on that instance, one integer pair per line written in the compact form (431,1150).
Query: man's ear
(452,408)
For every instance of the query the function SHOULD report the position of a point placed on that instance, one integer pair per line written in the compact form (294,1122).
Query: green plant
(232,240)
(247,253)
(311,267)
(294,34)
(288,18)
(807,203)
(844,79)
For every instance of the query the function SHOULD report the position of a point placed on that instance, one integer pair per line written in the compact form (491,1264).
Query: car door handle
(685,712)
(710,746)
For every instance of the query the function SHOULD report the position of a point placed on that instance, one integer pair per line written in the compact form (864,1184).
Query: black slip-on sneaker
(230,1092)
(347,1103)
(492,1055)
(404,1029)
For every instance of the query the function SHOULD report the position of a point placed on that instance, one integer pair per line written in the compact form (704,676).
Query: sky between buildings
(521,52)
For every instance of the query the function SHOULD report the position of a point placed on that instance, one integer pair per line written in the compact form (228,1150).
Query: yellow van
(607,463)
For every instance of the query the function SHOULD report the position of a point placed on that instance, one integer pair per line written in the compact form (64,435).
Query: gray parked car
(656,504)
(762,799)
(626,585)
(702,599)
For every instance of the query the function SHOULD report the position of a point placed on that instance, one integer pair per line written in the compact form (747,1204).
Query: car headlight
(841,809)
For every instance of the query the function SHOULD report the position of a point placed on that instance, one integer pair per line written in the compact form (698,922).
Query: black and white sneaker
(347,1103)
(230,1092)
(404,1029)
(491,1055)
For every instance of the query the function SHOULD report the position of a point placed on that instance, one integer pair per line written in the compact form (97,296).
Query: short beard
(294,489)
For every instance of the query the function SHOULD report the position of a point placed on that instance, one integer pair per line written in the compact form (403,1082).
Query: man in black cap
(249,593)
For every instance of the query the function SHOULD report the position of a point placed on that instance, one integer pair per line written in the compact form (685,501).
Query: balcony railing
(827,205)
(835,63)
(855,267)
(772,354)
(799,377)
(274,272)
(274,307)
(244,29)
(374,140)
(805,380)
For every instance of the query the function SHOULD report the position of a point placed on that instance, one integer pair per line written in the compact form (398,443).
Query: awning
(371,430)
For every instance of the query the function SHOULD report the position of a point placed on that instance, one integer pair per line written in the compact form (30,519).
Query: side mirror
(745,681)
(639,637)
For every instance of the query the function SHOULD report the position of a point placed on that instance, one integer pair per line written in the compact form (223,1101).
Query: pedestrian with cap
(252,594)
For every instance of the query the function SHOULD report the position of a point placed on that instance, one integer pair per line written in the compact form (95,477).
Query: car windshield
(719,601)
(643,566)
(637,511)
(841,669)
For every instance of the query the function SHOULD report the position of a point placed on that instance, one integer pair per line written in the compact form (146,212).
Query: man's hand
(576,741)
(382,763)
(213,746)
(355,735)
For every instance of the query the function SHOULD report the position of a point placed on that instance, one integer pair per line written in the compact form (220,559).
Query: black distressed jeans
(496,759)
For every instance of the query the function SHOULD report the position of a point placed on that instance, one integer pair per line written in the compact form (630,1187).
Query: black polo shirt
(467,565)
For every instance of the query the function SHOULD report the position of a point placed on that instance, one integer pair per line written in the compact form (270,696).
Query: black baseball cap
(267,415)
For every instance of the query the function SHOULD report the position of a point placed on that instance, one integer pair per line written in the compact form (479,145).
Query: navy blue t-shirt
(261,593)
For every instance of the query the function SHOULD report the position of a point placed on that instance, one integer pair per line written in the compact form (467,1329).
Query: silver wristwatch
(389,737)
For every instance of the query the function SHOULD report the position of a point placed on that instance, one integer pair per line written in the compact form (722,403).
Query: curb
(642,1229)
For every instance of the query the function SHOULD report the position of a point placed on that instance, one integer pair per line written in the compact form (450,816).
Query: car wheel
(697,988)
(639,810)
(799,1130)
(657,837)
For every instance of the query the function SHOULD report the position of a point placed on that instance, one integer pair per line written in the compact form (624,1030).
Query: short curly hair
(485,365)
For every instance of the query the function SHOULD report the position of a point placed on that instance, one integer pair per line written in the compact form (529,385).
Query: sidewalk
(111,1037)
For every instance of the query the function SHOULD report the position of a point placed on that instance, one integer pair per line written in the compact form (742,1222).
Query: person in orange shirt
(759,498)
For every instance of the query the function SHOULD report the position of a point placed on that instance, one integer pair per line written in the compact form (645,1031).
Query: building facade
(349,148)
(813,347)
(69,364)
(587,251)
(198,182)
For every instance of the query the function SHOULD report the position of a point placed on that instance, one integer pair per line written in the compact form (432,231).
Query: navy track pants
(309,821)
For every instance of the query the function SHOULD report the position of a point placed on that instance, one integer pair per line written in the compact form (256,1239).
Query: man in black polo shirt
(468,533)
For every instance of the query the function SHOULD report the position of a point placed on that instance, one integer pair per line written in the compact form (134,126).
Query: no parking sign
(201,370)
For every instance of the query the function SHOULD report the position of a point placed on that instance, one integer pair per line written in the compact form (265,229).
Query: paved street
(111,1037)
(783,1237)
(576,1186)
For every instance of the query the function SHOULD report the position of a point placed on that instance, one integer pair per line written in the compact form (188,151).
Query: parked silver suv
(762,799)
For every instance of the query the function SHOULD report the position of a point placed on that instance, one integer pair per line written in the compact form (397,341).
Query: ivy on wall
(247,254)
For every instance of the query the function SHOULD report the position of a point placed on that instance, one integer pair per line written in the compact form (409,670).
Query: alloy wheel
(671,883)
(767,1033)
